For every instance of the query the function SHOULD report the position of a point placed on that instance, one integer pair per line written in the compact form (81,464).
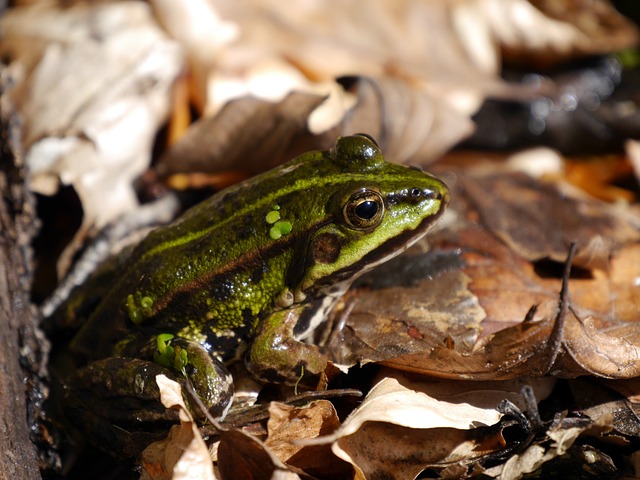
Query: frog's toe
(209,378)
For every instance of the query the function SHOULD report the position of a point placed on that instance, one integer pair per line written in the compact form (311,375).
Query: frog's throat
(318,310)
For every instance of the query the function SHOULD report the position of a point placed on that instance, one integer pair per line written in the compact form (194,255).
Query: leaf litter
(500,357)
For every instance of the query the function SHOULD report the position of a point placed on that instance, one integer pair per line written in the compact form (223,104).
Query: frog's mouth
(385,251)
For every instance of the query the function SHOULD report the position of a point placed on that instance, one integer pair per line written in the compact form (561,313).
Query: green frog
(250,273)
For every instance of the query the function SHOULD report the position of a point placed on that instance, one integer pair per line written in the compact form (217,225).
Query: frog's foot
(275,355)
(208,377)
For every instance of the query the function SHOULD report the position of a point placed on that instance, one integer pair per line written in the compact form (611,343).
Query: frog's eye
(368,137)
(364,210)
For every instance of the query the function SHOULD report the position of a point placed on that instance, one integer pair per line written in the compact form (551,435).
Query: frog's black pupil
(367,209)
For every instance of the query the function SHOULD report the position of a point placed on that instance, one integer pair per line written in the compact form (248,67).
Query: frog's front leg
(275,355)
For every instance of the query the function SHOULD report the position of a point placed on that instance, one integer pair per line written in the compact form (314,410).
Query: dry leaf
(287,425)
(241,455)
(385,46)
(403,427)
(94,132)
(183,455)
(539,221)
(248,134)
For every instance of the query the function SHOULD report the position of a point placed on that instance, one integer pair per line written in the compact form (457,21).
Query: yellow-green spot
(181,360)
(273,216)
(280,228)
(168,356)
(146,303)
(165,352)
(629,57)
(138,307)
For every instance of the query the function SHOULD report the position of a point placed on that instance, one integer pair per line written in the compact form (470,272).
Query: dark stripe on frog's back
(228,235)
(257,265)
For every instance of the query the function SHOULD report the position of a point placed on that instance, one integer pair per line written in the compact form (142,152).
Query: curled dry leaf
(93,131)
(570,28)
(183,455)
(545,32)
(403,426)
(485,302)
(633,151)
(409,120)
(288,425)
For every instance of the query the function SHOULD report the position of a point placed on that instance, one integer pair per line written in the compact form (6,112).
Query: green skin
(258,265)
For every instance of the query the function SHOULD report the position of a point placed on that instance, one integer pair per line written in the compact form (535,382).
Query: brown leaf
(248,134)
(242,456)
(183,454)
(407,119)
(289,424)
(572,28)
(537,220)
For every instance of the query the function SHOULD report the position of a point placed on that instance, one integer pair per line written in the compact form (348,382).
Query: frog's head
(375,211)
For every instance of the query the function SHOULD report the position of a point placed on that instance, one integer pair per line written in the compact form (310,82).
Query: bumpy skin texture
(218,277)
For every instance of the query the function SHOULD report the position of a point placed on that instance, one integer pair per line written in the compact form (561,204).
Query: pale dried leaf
(287,423)
(202,33)
(633,152)
(93,131)
(410,46)
(399,429)
(171,397)
(183,455)
(391,402)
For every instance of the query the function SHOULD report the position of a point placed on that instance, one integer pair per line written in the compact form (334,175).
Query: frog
(249,274)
